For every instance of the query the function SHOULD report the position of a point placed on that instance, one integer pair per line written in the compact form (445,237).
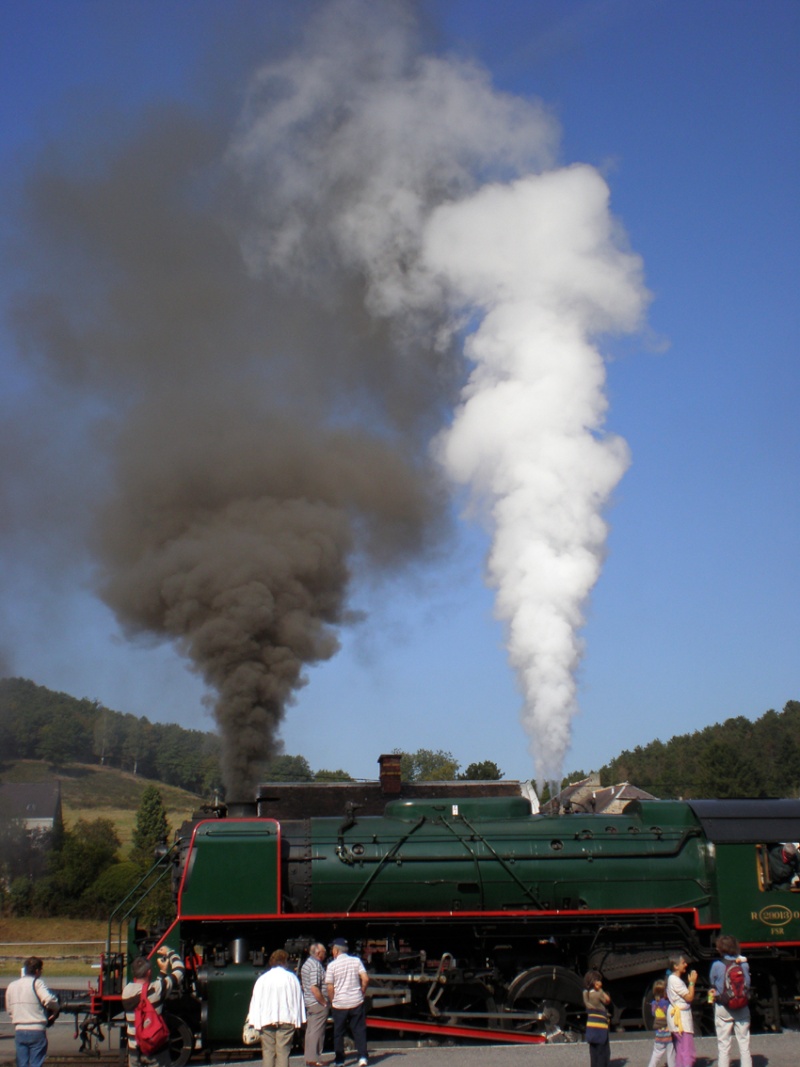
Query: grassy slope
(91,792)
(20,938)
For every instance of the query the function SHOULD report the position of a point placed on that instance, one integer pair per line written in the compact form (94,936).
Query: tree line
(424,765)
(37,723)
(738,757)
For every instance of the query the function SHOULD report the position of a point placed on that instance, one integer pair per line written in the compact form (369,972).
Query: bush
(20,893)
(111,887)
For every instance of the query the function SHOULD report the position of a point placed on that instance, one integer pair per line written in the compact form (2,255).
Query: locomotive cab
(774,854)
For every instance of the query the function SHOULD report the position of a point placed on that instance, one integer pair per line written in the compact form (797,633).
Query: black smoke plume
(255,328)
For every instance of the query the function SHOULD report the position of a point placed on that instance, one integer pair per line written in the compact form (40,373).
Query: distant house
(589,795)
(37,805)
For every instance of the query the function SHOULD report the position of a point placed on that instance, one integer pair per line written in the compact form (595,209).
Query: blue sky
(688,110)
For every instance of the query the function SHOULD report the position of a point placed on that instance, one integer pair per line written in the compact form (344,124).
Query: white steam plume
(538,258)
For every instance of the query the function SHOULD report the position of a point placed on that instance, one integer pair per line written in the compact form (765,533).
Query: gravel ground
(769,1050)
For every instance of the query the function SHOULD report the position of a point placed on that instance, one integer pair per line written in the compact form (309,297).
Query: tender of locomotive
(475,914)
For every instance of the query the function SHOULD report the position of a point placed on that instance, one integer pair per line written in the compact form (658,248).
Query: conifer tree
(151,828)
(151,831)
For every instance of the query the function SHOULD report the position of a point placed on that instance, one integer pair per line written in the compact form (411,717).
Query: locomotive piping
(349,858)
(500,860)
(348,822)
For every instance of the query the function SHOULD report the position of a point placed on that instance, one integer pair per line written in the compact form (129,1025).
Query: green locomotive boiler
(476,916)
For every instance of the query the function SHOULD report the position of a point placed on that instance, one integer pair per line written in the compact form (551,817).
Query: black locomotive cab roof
(746,821)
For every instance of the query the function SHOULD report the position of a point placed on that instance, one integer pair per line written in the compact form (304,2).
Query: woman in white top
(679,1016)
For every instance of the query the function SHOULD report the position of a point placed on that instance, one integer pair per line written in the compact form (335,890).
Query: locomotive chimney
(390,774)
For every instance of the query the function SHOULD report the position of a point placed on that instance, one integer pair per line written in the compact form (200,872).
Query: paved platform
(627,1050)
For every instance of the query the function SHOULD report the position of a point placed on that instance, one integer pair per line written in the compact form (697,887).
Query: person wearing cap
(784,865)
(32,1007)
(347,982)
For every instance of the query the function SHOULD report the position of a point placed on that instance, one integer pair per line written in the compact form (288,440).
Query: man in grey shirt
(312,976)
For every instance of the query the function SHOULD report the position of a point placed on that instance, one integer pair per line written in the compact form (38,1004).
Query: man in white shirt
(277,1010)
(32,1008)
(347,982)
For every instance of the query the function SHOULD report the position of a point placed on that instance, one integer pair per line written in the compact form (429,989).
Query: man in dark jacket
(784,866)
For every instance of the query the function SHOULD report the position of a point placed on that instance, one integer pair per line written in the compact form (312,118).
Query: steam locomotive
(474,916)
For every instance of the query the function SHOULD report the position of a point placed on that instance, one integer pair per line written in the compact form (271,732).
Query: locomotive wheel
(703,1012)
(181,1040)
(466,998)
(555,995)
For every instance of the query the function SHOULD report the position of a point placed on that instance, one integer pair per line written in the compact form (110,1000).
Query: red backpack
(734,988)
(152,1032)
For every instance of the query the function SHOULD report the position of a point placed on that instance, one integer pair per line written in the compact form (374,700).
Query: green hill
(94,792)
(39,724)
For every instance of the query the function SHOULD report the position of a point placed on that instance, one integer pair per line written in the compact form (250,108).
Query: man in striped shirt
(169,978)
(347,982)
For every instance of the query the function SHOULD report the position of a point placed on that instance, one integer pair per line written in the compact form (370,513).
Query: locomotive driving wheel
(546,1000)
(181,1040)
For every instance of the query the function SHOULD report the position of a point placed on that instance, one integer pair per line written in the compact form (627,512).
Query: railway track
(118,1058)
(97,1059)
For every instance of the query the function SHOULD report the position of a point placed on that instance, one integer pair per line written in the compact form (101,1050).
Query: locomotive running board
(456,1031)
